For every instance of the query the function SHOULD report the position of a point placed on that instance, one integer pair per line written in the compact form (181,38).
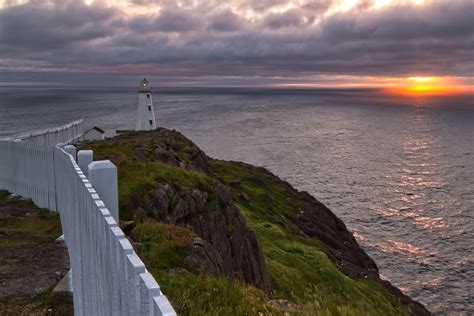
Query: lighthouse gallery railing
(108,278)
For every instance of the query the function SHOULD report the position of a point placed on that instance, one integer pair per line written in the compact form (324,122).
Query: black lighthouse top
(144,86)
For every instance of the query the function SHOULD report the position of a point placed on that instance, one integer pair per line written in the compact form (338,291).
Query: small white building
(145,112)
(94,133)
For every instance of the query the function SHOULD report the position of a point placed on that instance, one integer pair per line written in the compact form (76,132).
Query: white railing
(52,136)
(29,170)
(108,278)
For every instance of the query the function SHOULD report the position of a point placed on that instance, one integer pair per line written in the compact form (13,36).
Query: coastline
(245,191)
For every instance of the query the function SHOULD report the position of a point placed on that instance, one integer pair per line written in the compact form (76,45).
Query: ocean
(399,171)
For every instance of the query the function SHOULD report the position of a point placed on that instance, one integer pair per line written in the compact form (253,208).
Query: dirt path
(31,263)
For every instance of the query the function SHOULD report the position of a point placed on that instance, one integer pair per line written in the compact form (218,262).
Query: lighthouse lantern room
(145,112)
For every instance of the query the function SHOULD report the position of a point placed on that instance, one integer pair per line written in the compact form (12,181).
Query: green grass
(193,294)
(38,225)
(137,178)
(164,246)
(41,225)
(33,227)
(4,195)
(299,268)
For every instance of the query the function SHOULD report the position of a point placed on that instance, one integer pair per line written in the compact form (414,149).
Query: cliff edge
(230,238)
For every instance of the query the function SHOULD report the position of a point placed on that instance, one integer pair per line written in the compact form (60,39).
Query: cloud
(226,21)
(442,20)
(285,19)
(172,21)
(167,21)
(242,38)
(264,5)
(43,26)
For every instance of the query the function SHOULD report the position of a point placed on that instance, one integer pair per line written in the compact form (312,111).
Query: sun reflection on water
(416,284)
(415,195)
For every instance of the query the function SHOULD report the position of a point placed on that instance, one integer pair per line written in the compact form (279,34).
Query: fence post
(103,176)
(148,290)
(84,158)
(162,307)
(70,149)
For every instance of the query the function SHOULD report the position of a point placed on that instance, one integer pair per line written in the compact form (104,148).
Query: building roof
(97,129)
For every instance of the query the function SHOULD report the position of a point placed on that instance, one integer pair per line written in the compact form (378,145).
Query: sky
(306,43)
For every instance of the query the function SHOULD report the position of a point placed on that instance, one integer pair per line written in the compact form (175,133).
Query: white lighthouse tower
(145,113)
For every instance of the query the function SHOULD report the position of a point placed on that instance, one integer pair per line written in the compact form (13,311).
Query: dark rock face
(228,246)
(318,221)
(165,156)
(205,258)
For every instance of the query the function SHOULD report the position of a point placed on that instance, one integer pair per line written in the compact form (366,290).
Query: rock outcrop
(319,222)
(226,245)
(315,220)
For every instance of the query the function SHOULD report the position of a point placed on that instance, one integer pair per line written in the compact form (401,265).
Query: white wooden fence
(52,136)
(108,278)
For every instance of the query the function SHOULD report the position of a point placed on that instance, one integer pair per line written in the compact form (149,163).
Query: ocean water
(398,171)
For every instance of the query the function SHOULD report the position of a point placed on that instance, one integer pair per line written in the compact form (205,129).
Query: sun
(425,85)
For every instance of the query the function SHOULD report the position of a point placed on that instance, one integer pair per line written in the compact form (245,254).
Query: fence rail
(29,170)
(108,278)
(52,136)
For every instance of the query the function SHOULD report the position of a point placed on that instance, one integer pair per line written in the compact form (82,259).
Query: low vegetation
(31,262)
(300,270)
(23,222)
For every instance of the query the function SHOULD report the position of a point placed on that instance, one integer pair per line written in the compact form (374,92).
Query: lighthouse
(145,113)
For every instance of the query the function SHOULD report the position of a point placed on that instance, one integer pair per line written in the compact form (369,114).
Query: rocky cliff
(227,246)
(247,224)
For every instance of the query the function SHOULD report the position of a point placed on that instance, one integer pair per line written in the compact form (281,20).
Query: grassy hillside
(299,268)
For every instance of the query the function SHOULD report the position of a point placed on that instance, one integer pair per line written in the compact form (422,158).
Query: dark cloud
(284,19)
(212,39)
(444,20)
(167,21)
(176,21)
(37,27)
(225,22)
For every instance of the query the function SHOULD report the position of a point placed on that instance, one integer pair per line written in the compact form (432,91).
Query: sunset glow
(425,85)
(429,86)
(421,79)
(347,44)
(408,86)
